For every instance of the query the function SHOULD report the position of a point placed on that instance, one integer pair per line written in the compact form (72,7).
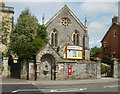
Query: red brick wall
(119,42)
(113,43)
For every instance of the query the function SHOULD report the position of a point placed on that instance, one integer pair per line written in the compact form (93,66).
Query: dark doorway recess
(14,68)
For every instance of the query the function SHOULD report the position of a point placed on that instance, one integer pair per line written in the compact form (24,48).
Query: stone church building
(66,33)
(64,57)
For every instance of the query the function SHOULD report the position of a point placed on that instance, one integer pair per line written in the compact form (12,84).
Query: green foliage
(95,51)
(2,68)
(42,33)
(107,60)
(37,44)
(28,36)
(105,68)
(22,49)
(0,54)
(26,27)
(9,67)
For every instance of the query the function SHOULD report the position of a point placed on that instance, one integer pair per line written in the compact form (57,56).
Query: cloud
(97,8)
(36,8)
(99,14)
(96,32)
(94,42)
(96,29)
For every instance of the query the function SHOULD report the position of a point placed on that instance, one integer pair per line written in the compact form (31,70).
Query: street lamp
(15,57)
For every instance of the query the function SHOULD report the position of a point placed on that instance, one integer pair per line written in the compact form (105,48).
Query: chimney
(115,19)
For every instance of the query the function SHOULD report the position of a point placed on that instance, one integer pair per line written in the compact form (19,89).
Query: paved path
(44,87)
(18,81)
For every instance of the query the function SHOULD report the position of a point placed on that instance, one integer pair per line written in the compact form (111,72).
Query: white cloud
(37,9)
(96,8)
(99,15)
(96,29)
(94,42)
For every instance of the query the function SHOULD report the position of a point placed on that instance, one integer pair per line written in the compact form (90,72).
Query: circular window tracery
(65,22)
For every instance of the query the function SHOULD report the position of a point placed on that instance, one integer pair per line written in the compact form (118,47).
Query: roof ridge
(72,14)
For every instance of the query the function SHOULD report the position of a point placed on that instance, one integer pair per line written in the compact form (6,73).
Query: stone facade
(65,33)
(116,68)
(6,15)
(51,63)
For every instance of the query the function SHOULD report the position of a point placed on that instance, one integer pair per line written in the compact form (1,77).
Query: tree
(26,39)
(95,51)
(41,32)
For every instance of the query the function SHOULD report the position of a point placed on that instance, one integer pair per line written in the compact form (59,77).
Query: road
(84,88)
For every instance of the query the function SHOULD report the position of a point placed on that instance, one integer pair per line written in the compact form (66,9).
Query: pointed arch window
(54,38)
(76,38)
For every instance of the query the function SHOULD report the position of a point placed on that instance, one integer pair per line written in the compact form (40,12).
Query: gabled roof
(71,13)
(118,24)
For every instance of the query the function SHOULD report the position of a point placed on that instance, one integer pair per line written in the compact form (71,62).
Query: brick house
(111,40)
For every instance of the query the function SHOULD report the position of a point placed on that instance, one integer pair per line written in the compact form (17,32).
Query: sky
(99,14)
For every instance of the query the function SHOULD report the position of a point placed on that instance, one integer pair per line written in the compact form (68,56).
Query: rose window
(65,22)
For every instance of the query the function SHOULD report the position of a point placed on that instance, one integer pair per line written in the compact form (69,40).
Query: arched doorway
(47,67)
(14,68)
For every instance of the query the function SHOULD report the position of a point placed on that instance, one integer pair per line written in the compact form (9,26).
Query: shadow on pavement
(19,89)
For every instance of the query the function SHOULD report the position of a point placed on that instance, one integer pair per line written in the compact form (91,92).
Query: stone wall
(116,68)
(119,70)
(28,70)
(24,67)
(79,71)
(0,70)
(5,72)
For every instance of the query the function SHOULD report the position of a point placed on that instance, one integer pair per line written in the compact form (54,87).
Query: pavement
(59,82)
(10,86)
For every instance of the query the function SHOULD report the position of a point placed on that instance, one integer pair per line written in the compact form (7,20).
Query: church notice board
(74,52)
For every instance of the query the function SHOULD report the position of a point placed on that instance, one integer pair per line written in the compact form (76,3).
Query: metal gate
(106,70)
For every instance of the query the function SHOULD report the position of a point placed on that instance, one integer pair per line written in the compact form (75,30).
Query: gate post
(98,67)
(23,74)
(5,72)
(31,70)
(37,71)
(115,68)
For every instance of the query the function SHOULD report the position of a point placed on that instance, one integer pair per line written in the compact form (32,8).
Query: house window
(76,38)
(54,38)
(114,34)
(105,44)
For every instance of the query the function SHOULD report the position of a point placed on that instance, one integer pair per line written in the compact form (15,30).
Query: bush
(107,60)
(105,68)
(2,68)
(9,67)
